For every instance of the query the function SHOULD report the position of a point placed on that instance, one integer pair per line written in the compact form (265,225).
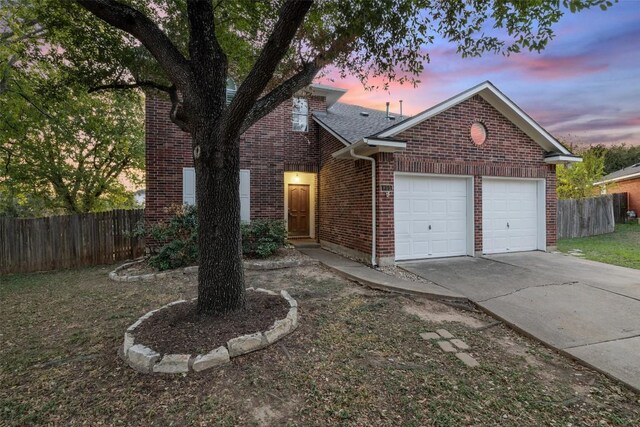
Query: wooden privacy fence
(69,241)
(585,217)
(620,207)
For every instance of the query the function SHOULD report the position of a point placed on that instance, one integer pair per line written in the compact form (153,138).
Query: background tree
(575,181)
(62,150)
(188,48)
(618,157)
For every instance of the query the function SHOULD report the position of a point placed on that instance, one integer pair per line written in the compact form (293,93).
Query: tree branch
(121,86)
(147,32)
(298,81)
(279,94)
(291,17)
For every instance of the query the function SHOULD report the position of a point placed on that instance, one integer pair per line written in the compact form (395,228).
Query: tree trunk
(221,285)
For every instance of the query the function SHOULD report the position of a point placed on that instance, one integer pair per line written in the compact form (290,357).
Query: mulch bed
(180,329)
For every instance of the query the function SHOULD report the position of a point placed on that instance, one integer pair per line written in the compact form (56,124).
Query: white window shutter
(189,186)
(189,191)
(245,195)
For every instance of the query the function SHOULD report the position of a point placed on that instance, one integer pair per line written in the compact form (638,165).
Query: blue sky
(584,87)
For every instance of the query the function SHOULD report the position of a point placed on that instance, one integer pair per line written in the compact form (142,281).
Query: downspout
(373,202)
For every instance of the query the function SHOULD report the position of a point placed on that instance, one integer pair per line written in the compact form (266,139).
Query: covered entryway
(433,216)
(300,204)
(513,215)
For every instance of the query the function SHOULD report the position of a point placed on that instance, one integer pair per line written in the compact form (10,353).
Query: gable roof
(346,122)
(500,102)
(629,172)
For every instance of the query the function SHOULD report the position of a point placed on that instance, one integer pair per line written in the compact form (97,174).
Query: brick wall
(632,188)
(345,198)
(268,149)
(442,145)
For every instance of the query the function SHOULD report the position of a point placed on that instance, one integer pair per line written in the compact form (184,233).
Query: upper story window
(231,90)
(300,114)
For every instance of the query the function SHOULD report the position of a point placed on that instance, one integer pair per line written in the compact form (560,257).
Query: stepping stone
(467,360)
(444,333)
(447,347)
(430,336)
(460,344)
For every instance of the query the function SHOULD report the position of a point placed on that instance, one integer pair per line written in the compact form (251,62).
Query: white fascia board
(620,178)
(500,102)
(554,160)
(331,131)
(369,146)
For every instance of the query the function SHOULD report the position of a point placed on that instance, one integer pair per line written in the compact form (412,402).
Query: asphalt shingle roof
(630,170)
(346,121)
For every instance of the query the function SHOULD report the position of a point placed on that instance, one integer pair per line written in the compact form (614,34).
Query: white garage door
(430,217)
(510,215)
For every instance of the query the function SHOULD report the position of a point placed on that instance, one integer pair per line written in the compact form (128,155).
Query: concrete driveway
(587,309)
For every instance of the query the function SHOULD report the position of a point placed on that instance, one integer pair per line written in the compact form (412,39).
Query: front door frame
(308,228)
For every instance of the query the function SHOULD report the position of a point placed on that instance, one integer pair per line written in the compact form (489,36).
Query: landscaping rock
(290,300)
(142,358)
(266,291)
(467,360)
(217,357)
(128,342)
(246,344)
(173,364)
(460,344)
(446,346)
(444,333)
(279,329)
(293,316)
(430,336)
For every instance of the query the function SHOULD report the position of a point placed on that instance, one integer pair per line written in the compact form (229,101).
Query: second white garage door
(430,216)
(511,215)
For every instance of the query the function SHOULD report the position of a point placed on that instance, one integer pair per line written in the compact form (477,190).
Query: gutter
(373,202)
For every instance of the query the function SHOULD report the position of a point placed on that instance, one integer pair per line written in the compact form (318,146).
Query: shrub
(179,239)
(261,238)
(179,236)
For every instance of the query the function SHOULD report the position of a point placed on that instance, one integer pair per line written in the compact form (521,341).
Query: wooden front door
(298,210)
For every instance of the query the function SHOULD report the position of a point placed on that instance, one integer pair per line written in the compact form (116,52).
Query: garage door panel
(435,202)
(510,215)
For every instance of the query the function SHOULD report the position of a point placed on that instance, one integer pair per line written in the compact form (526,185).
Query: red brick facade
(438,145)
(632,188)
(345,198)
(267,149)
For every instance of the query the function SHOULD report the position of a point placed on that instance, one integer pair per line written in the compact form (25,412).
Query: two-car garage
(435,216)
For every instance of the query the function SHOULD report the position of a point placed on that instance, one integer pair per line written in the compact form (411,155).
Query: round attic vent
(364,114)
(478,133)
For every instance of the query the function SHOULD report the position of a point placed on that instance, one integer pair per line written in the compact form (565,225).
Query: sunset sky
(585,87)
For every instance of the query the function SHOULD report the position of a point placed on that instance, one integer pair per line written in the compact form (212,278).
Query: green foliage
(575,181)
(617,157)
(62,149)
(180,237)
(261,238)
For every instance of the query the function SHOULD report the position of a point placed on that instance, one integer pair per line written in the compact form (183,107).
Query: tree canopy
(62,149)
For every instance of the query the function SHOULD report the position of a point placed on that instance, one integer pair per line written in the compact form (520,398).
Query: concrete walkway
(378,280)
(585,309)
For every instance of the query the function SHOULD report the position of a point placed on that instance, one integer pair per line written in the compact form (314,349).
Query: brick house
(625,180)
(471,175)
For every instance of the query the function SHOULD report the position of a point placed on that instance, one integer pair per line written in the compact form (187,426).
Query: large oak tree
(273,48)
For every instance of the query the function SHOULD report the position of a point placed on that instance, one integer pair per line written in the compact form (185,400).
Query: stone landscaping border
(248,264)
(146,360)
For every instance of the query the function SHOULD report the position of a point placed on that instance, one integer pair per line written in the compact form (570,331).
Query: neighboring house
(471,175)
(625,180)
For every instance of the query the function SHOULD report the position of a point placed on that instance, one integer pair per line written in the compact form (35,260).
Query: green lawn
(355,360)
(621,247)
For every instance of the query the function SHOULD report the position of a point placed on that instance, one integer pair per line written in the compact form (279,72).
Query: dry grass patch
(356,359)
